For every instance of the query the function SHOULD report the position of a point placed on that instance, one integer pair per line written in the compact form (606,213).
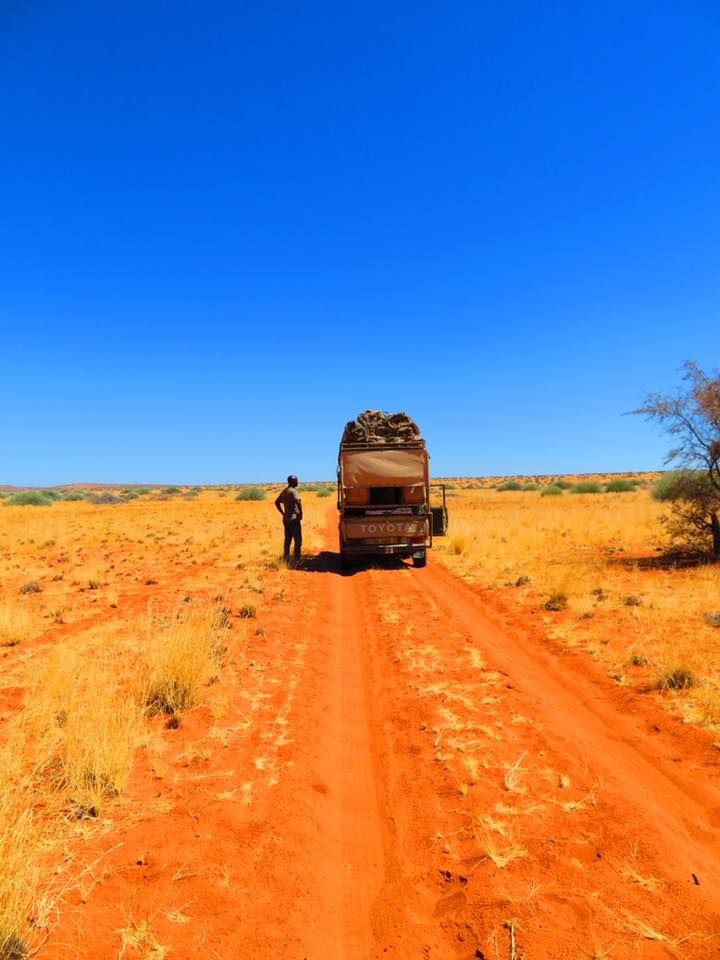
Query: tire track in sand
(529,794)
(349,861)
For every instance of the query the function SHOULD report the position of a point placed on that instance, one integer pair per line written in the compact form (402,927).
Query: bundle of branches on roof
(375,426)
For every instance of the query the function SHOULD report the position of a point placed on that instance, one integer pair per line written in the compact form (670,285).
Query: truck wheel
(420,561)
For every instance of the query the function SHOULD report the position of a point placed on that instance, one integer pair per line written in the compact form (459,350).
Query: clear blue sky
(226,228)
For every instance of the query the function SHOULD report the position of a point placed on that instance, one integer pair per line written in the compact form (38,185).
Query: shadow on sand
(672,559)
(328,562)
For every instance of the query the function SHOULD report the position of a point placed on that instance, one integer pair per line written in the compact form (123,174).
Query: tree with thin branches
(692,419)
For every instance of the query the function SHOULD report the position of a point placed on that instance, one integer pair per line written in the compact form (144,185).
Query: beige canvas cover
(383,468)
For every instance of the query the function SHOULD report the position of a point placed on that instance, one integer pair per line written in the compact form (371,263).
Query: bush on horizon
(105,498)
(586,486)
(251,493)
(552,490)
(619,485)
(508,485)
(29,498)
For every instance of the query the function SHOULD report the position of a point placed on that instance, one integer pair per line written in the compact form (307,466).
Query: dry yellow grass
(16,623)
(26,838)
(182,657)
(129,614)
(646,624)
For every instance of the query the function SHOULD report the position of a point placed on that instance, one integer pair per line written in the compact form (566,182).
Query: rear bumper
(403,549)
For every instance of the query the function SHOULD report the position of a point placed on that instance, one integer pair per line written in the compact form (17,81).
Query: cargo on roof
(376,426)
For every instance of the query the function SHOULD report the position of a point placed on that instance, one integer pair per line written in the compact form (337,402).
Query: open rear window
(385,496)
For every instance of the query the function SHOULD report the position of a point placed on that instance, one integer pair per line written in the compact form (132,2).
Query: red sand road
(401,773)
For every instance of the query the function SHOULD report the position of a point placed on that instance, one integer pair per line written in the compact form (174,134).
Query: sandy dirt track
(404,772)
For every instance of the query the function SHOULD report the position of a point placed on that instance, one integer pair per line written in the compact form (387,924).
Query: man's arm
(278,501)
(299,505)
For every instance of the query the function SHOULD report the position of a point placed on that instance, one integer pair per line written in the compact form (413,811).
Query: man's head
(292,480)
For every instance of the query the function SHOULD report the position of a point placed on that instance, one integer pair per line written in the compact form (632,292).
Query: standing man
(289,505)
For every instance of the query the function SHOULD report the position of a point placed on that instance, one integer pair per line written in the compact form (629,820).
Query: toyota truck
(383,484)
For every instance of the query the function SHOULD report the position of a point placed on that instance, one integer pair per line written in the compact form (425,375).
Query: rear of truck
(384,500)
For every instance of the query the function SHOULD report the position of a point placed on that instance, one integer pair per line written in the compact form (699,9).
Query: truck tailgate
(391,529)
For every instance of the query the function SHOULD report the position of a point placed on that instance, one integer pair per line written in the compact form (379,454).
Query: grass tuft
(15,624)
(556,601)
(30,586)
(459,541)
(679,679)
(182,658)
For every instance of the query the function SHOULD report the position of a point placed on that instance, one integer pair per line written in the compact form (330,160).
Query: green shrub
(552,490)
(531,486)
(142,491)
(169,490)
(509,485)
(104,498)
(4,493)
(678,484)
(29,498)
(619,486)
(563,484)
(586,486)
(323,492)
(251,493)
(74,495)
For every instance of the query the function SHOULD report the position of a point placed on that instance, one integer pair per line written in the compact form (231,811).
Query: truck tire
(420,561)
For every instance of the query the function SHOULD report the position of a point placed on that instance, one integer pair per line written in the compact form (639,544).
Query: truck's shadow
(328,562)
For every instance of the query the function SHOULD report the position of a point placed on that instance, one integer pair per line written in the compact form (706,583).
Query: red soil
(331,815)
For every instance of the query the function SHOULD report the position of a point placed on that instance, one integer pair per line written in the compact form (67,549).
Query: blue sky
(227,228)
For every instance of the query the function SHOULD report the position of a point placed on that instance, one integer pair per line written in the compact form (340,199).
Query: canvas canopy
(383,468)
